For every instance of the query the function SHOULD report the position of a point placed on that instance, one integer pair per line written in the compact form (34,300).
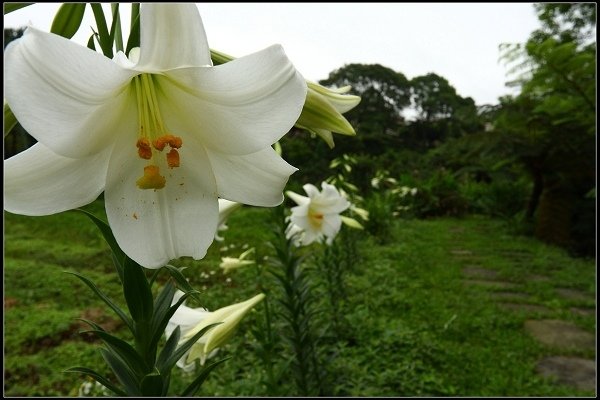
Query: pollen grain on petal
(151,179)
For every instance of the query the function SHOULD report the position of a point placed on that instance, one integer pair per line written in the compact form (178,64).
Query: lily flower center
(153,136)
(315,218)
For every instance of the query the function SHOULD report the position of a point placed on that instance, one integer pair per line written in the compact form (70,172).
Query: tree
(551,123)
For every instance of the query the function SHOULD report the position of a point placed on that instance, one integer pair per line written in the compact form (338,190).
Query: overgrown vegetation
(413,326)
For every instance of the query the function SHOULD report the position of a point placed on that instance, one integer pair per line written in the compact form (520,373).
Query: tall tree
(551,123)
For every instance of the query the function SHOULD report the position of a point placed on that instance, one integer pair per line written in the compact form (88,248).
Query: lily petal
(155,226)
(237,108)
(39,182)
(257,179)
(299,199)
(73,107)
(166,33)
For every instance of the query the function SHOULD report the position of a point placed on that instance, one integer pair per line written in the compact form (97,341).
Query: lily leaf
(122,372)
(10,121)
(68,19)
(152,384)
(107,300)
(181,350)
(181,281)
(116,34)
(195,385)
(10,7)
(123,350)
(169,348)
(137,291)
(134,32)
(99,378)
(118,254)
(103,34)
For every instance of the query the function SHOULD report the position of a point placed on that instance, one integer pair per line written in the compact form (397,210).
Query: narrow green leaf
(169,348)
(68,19)
(137,291)
(119,255)
(115,29)
(162,303)
(91,44)
(152,384)
(103,34)
(158,325)
(123,350)
(181,350)
(122,372)
(219,58)
(195,385)
(10,7)
(181,281)
(134,31)
(99,378)
(105,298)
(10,121)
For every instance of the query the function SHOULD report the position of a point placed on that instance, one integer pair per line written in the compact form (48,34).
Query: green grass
(415,328)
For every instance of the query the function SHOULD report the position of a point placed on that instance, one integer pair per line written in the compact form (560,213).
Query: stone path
(557,334)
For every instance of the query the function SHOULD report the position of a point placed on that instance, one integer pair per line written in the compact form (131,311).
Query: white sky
(458,41)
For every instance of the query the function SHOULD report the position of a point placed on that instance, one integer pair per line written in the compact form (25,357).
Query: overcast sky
(458,41)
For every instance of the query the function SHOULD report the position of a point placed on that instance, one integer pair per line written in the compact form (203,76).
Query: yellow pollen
(144,150)
(315,219)
(173,158)
(151,179)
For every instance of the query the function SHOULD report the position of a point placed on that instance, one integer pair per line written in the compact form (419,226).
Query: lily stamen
(151,179)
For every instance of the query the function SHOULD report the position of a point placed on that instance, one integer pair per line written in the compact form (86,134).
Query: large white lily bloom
(317,216)
(192,320)
(163,133)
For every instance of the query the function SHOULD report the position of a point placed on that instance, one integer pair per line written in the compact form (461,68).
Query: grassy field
(415,327)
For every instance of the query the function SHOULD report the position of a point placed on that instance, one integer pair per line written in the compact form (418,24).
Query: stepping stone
(582,311)
(529,308)
(572,371)
(494,284)
(473,271)
(560,334)
(538,278)
(573,294)
(510,295)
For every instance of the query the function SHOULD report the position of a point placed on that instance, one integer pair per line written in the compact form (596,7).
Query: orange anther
(175,141)
(160,143)
(144,150)
(173,158)
(151,179)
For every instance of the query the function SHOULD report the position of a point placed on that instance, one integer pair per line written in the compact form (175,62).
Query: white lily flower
(316,216)
(192,320)
(226,207)
(229,263)
(163,133)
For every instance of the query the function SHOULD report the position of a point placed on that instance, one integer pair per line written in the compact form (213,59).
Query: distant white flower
(192,320)
(229,263)
(317,216)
